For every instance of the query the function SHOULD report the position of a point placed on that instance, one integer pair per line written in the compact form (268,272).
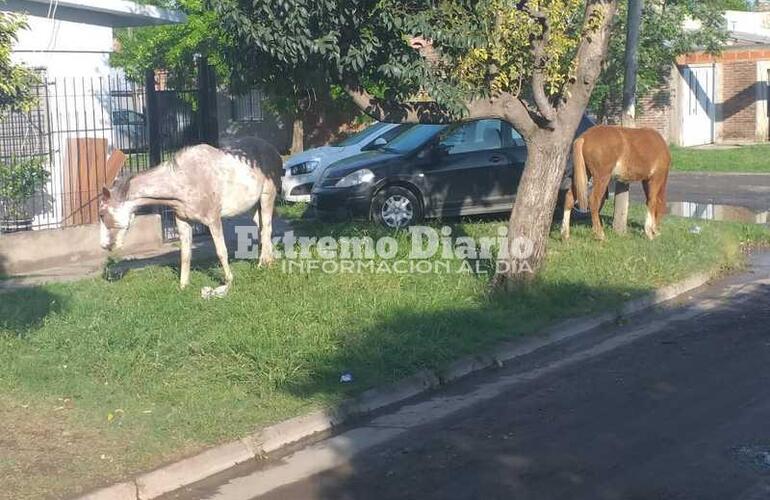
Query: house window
(248,107)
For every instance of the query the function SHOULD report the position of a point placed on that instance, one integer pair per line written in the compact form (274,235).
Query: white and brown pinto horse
(201,184)
(629,155)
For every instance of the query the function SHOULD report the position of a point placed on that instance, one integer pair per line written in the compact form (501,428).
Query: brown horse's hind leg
(595,204)
(649,220)
(660,201)
(569,202)
(266,205)
(655,191)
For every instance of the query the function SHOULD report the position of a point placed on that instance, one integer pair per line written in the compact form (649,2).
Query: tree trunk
(532,214)
(628,118)
(297,136)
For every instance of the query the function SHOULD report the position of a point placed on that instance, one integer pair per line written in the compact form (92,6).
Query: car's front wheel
(396,207)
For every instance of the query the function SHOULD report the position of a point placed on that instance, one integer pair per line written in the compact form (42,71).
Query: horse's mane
(121,185)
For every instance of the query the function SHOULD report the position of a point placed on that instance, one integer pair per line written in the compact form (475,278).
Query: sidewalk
(203,249)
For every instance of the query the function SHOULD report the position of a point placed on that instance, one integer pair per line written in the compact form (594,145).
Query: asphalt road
(674,404)
(743,190)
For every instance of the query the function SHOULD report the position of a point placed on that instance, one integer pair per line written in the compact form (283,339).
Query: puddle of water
(711,211)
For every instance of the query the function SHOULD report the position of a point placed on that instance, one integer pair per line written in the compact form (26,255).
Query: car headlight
(304,168)
(358,177)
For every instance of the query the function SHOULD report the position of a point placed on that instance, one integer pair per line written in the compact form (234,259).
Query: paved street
(743,190)
(674,405)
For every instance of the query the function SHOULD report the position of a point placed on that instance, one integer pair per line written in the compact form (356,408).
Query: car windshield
(367,133)
(413,138)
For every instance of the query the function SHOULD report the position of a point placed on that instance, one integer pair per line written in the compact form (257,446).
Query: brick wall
(655,110)
(737,107)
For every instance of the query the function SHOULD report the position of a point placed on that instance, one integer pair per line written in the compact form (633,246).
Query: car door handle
(496,158)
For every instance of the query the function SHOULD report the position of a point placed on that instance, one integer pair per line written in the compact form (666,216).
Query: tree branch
(539,45)
(504,106)
(387,111)
(591,53)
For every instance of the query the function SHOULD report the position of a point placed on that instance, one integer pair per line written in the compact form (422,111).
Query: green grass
(99,380)
(290,211)
(749,158)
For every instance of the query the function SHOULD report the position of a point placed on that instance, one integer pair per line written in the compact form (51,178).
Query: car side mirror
(441,150)
(376,144)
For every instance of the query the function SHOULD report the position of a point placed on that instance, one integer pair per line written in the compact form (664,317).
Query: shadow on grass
(404,341)
(568,433)
(25,309)
(204,261)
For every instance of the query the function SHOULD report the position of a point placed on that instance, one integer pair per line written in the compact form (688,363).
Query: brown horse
(629,155)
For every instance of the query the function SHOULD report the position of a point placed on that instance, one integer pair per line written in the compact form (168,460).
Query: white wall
(74,56)
(755,23)
(65,48)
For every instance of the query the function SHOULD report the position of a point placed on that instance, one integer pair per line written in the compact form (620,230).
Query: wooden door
(84,175)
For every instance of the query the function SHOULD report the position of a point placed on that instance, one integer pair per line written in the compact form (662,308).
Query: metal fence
(53,157)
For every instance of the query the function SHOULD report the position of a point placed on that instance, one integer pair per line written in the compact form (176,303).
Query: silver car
(302,170)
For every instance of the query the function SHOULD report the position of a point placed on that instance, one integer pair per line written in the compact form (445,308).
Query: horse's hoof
(266,262)
(210,293)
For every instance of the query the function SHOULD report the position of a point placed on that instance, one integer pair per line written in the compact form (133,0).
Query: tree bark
(548,149)
(532,215)
(628,118)
(297,136)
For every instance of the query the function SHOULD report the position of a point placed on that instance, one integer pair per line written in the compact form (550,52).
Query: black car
(466,168)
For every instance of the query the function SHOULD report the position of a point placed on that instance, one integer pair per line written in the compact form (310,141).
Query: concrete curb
(190,470)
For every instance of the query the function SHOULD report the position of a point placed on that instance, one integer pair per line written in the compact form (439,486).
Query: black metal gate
(53,157)
(180,117)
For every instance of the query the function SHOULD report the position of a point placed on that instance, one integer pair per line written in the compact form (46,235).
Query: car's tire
(396,207)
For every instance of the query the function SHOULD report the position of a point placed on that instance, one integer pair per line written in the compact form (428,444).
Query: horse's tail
(579,175)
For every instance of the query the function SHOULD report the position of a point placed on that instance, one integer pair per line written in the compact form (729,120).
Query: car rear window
(369,132)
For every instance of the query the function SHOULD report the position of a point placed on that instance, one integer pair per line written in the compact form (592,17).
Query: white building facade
(81,100)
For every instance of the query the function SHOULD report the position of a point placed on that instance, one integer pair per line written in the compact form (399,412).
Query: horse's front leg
(185,249)
(218,235)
